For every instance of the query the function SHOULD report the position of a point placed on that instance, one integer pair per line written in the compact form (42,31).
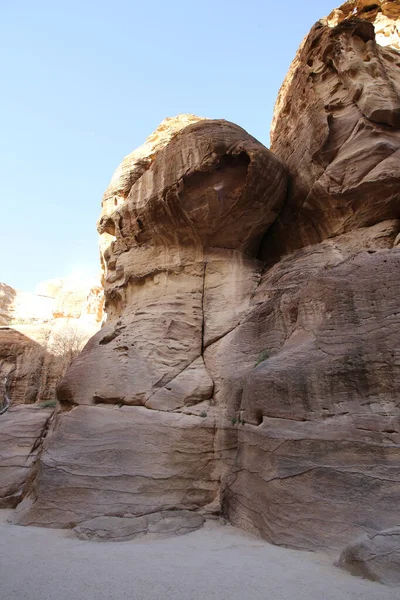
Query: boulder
(375,556)
(157,525)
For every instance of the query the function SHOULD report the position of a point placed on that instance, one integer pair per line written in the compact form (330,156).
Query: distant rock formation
(7,297)
(250,362)
(39,332)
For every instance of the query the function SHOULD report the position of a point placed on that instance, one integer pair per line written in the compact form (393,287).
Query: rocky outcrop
(336,126)
(179,275)
(375,557)
(257,381)
(124,462)
(42,333)
(179,271)
(21,431)
(384,14)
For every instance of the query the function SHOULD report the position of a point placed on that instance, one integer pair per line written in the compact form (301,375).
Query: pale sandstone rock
(46,330)
(178,263)
(384,14)
(192,386)
(21,429)
(135,164)
(7,296)
(122,461)
(375,556)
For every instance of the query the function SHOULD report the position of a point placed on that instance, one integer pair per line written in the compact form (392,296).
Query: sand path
(216,562)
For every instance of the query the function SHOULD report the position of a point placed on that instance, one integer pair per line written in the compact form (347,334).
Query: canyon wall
(249,364)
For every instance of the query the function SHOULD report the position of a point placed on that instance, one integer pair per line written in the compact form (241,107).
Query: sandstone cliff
(249,363)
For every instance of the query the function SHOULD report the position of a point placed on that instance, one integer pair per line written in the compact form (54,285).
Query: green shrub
(48,404)
(261,357)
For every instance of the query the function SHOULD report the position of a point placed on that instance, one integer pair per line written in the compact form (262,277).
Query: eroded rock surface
(122,461)
(7,297)
(179,269)
(21,431)
(43,331)
(336,126)
(318,459)
(156,525)
(375,557)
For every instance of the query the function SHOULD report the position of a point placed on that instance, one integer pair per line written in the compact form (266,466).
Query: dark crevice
(202,310)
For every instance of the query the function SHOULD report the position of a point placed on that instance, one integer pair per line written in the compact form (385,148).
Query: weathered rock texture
(384,14)
(180,272)
(322,466)
(261,382)
(375,556)
(336,126)
(155,525)
(21,432)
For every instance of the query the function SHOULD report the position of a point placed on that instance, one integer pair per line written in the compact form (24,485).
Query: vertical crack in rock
(203,320)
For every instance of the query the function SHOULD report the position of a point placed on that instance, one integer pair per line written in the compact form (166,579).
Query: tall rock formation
(180,270)
(257,380)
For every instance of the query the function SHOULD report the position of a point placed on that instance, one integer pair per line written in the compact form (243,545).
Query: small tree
(67,343)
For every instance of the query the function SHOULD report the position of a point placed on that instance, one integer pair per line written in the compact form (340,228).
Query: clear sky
(83,84)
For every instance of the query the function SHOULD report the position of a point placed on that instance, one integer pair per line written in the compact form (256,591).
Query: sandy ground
(216,562)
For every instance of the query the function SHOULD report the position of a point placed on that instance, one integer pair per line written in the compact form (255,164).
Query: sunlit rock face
(336,126)
(384,14)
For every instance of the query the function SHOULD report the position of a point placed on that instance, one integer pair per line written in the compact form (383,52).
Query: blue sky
(85,82)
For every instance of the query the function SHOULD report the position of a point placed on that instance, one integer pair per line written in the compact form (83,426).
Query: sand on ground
(214,563)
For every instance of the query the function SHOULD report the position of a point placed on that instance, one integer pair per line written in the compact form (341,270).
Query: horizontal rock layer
(113,462)
(21,431)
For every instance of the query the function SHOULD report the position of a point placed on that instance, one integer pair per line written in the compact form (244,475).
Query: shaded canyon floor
(215,562)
